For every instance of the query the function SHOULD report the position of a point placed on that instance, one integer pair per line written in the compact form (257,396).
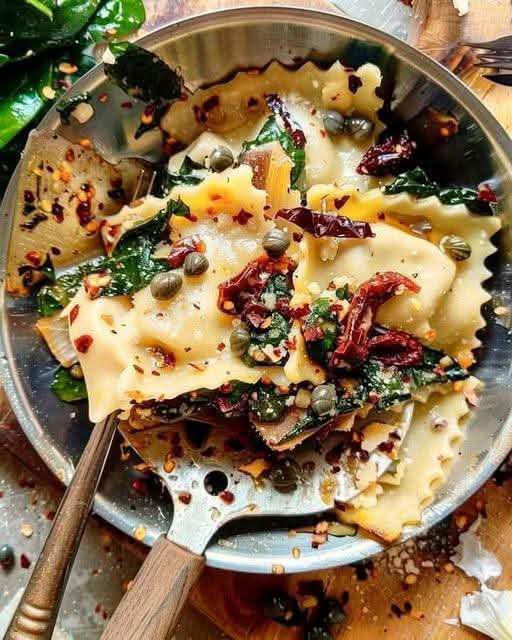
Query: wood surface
(233,601)
(152,606)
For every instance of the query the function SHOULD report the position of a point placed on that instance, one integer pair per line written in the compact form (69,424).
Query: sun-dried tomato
(325,224)
(392,155)
(74,313)
(396,348)
(486,194)
(244,288)
(353,344)
(255,313)
(183,248)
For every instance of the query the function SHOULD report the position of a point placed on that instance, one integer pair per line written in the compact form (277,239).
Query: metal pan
(208,48)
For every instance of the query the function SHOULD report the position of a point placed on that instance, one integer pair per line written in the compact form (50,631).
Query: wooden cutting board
(375,606)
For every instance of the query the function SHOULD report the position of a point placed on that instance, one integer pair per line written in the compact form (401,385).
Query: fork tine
(500,78)
(499,44)
(151,183)
(501,65)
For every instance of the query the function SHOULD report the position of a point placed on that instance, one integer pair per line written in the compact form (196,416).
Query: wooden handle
(35,616)
(151,607)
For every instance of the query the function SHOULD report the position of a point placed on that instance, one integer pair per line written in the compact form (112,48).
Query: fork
(497,55)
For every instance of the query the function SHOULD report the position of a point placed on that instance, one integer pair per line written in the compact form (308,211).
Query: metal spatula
(209,488)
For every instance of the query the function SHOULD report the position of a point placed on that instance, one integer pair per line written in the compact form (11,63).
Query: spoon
(210,486)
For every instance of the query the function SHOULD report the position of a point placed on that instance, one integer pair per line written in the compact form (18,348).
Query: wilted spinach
(131,267)
(67,388)
(417,183)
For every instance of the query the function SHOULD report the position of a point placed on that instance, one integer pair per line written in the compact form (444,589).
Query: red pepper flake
(210,103)
(486,194)
(74,313)
(24,561)
(185,497)
(297,236)
(339,203)
(70,155)
(300,312)
(353,345)
(252,103)
(28,196)
(227,497)
(34,257)
(276,105)
(242,217)
(50,515)
(138,369)
(354,82)
(312,334)
(140,487)
(58,211)
(127,105)
(83,343)
(221,346)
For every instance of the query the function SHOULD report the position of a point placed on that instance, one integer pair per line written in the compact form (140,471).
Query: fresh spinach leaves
(142,74)
(417,183)
(67,388)
(131,267)
(272,132)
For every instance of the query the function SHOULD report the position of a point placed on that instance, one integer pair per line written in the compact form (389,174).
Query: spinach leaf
(23,28)
(178,208)
(21,98)
(275,334)
(66,107)
(417,183)
(116,18)
(323,318)
(188,166)
(43,6)
(67,388)
(272,132)
(387,382)
(131,267)
(186,176)
(142,74)
(268,405)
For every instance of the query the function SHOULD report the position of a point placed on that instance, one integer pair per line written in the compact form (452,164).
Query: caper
(195,264)
(165,286)
(317,632)
(332,612)
(455,247)
(6,556)
(275,242)
(221,158)
(323,399)
(285,476)
(421,226)
(239,341)
(76,372)
(334,123)
(359,128)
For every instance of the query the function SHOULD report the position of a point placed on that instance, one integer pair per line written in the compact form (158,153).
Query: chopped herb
(268,406)
(67,388)
(322,326)
(343,293)
(178,208)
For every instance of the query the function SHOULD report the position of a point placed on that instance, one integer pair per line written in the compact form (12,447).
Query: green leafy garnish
(131,267)
(22,98)
(116,18)
(323,318)
(67,388)
(272,132)
(43,6)
(268,405)
(142,74)
(417,183)
(178,208)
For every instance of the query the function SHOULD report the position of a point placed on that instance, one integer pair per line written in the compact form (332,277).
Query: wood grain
(152,606)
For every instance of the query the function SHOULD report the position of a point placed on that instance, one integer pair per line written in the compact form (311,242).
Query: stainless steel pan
(208,48)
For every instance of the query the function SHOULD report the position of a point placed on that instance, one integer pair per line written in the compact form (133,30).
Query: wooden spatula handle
(151,607)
